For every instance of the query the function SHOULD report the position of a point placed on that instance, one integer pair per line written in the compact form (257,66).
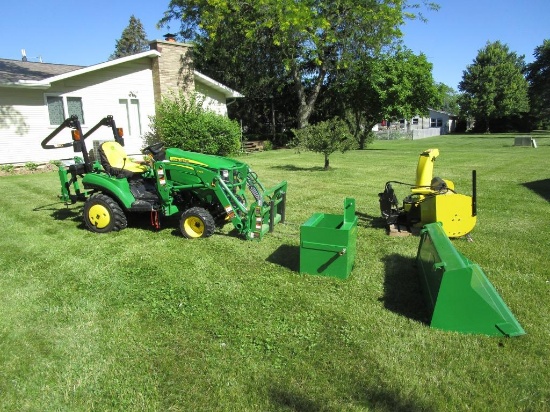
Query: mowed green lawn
(146,320)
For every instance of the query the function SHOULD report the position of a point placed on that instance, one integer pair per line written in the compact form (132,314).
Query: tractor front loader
(205,191)
(431,200)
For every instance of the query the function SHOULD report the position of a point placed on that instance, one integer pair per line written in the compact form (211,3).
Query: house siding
(211,99)
(128,88)
(24,119)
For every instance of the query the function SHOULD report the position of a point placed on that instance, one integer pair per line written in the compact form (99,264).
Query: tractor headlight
(225,175)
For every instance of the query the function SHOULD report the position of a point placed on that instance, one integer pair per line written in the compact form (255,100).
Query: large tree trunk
(306,103)
(327,166)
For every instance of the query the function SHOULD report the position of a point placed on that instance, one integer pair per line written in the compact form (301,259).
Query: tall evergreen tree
(538,76)
(494,89)
(133,40)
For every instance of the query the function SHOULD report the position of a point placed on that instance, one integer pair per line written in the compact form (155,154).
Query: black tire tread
(204,215)
(118,218)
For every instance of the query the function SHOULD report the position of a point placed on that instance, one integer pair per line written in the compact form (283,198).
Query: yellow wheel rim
(193,226)
(99,216)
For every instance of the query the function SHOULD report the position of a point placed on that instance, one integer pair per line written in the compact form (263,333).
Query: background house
(36,97)
(436,123)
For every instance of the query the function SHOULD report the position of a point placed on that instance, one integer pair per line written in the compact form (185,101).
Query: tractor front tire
(197,222)
(102,214)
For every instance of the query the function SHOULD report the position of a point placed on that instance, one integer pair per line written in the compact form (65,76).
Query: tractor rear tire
(197,222)
(102,214)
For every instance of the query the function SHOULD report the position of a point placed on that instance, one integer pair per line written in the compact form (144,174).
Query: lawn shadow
(380,398)
(293,401)
(293,168)
(62,211)
(402,290)
(370,395)
(366,220)
(540,187)
(74,215)
(287,256)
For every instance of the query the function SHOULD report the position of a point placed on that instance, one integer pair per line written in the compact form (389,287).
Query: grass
(146,320)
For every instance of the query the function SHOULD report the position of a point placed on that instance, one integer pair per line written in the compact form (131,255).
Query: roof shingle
(12,71)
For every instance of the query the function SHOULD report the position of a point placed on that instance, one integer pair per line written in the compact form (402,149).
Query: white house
(436,123)
(36,97)
(436,119)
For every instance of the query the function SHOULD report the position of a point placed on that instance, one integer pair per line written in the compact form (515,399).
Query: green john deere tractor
(205,191)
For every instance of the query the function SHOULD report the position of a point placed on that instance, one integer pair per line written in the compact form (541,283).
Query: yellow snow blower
(432,199)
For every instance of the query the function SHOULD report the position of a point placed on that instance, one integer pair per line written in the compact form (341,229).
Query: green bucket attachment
(327,243)
(458,294)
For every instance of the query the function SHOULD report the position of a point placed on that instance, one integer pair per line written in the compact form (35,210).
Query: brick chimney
(173,70)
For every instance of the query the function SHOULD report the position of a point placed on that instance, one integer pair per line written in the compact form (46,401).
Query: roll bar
(78,137)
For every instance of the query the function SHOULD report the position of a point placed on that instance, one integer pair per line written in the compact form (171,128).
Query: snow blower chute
(432,199)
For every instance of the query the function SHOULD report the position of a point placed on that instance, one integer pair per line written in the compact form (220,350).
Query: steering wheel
(155,148)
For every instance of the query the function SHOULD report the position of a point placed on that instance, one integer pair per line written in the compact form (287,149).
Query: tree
(538,76)
(493,86)
(325,137)
(310,38)
(447,99)
(132,41)
(396,84)
(257,75)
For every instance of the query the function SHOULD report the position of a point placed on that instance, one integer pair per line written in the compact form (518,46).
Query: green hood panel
(203,160)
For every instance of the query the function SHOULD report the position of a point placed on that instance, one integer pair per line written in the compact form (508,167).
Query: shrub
(31,166)
(182,122)
(56,163)
(7,168)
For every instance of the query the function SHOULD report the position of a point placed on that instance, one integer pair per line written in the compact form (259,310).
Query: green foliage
(182,122)
(493,86)
(133,40)
(31,166)
(447,99)
(7,168)
(538,76)
(325,137)
(394,85)
(56,163)
(308,40)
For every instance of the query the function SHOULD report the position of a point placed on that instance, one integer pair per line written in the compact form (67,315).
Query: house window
(61,108)
(415,121)
(74,107)
(130,118)
(436,122)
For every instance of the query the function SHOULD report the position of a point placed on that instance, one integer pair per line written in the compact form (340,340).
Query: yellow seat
(116,162)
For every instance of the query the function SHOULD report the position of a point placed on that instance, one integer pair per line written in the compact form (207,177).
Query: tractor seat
(115,161)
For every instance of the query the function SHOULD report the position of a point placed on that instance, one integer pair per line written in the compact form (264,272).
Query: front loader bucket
(458,294)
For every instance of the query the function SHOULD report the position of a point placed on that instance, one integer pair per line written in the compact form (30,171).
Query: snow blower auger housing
(205,191)
(432,199)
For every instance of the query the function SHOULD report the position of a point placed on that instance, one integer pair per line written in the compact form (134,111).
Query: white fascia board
(227,92)
(46,83)
(28,84)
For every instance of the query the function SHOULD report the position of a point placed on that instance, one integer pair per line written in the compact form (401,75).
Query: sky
(85,32)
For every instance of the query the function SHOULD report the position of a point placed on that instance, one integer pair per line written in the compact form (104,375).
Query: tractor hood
(203,160)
